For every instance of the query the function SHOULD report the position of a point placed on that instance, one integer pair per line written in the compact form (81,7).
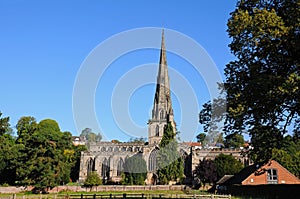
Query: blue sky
(44,43)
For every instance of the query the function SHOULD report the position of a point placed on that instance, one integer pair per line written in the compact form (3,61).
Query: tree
(206,171)
(8,153)
(289,155)
(212,117)
(4,124)
(227,165)
(46,153)
(92,179)
(170,164)
(262,84)
(234,140)
(91,136)
(201,137)
(135,170)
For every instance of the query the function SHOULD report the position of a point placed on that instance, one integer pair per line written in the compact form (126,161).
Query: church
(107,158)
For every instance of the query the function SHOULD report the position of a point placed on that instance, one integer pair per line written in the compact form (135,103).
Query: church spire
(162,111)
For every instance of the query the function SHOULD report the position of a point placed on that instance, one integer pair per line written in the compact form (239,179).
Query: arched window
(157,131)
(120,168)
(161,114)
(105,169)
(90,165)
(152,164)
(129,149)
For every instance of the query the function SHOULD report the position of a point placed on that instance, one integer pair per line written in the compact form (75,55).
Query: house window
(272,177)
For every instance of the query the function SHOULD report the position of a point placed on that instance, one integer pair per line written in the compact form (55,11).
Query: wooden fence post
(124,195)
(110,196)
(94,196)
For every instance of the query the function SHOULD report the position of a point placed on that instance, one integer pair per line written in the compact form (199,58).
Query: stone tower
(162,111)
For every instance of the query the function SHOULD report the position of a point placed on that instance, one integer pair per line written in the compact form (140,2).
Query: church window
(129,149)
(272,177)
(90,165)
(120,168)
(157,131)
(105,169)
(137,149)
(152,161)
(161,114)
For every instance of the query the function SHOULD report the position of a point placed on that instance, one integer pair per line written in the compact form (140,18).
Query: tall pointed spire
(162,111)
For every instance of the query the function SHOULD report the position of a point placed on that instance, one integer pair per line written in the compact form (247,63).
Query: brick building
(270,173)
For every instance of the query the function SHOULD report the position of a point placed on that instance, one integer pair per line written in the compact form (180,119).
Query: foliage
(201,137)
(170,164)
(8,153)
(262,84)
(137,140)
(46,154)
(74,175)
(206,171)
(212,117)
(234,140)
(92,179)
(90,136)
(289,155)
(135,170)
(227,165)
(4,125)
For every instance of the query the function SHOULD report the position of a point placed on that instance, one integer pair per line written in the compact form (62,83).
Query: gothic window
(137,149)
(90,165)
(161,114)
(272,177)
(120,167)
(152,164)
(105,169)
(157,131)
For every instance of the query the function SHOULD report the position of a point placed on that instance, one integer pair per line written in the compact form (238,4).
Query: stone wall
(112,188)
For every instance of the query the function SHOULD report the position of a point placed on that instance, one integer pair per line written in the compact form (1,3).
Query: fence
(117,196)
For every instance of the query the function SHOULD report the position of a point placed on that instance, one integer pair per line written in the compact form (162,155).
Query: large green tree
(8,153)
(263,83)
(90,136)
(227,165)
(170,164)
(206,172)
(46,153)
(234,140)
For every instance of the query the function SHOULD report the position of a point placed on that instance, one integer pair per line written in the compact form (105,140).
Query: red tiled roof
(193,143)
